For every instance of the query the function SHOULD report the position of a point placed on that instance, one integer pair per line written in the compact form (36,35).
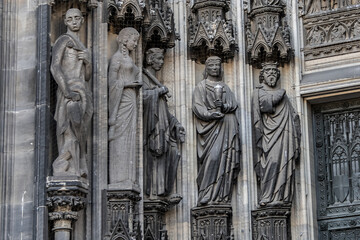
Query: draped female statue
(124,82)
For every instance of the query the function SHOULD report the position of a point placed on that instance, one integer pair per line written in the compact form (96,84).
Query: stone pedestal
(154,219)
(123,215)
(272,223)
(66,197)
(212,222)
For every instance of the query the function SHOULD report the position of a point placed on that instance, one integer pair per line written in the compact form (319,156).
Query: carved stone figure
(316,36)
(277,136)
(124,82)
(71,69)
(162,131)
(338,32)
(218,142)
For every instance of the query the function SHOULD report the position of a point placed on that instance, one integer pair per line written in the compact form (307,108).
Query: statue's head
(155,58)
(73,19)
(269,74)
(128,37)
(213,67)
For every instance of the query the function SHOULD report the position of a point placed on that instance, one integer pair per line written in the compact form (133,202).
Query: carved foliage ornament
(210,31)
(267,32)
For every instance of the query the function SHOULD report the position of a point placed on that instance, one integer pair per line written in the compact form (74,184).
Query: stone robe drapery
(278,139)
(122,120)
(218,143)
(72,118)
(162,154)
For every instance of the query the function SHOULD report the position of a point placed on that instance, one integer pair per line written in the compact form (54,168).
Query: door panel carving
(337,160)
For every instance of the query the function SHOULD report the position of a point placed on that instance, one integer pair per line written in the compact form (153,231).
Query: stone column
(66,198)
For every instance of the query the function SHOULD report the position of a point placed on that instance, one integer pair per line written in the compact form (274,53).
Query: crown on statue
(270,65)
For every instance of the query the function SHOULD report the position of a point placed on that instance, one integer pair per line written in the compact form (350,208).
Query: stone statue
(277,135)
(71,69)
(218,137)
(162,131)
(124,82)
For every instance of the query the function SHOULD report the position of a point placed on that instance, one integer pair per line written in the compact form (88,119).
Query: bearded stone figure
(218,140)
(71,69)
(277,136)
(124,82)
(163,133)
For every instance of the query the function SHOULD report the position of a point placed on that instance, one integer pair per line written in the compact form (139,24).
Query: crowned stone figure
(277,135)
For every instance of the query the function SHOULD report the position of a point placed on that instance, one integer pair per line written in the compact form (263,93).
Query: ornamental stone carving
(267,32)
(327,32)
(277,138)
(124,84)
(153,18)
(210,32)
(218,141)
(71,69)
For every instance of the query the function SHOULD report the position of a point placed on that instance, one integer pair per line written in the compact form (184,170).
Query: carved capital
(90,3)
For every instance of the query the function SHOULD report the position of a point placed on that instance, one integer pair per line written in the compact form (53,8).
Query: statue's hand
(163,90)
(217,115)
(180,133)
(74,96)
(219,104)
(85,56)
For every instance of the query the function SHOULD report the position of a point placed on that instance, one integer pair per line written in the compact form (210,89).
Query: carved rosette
(267,33)
(123,215)
(213,222)
(210,32)
(271,223)
(66,198)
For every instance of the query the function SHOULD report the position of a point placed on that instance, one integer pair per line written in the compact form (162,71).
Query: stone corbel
(267,33)
(210,32)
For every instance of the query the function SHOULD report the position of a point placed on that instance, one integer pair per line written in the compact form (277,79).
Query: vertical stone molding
(210,31)
(211,222)
(267,33)
(122,218)
(271,223)
(66,198)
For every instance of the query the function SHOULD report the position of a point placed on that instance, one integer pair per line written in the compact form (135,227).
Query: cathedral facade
(170,119)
